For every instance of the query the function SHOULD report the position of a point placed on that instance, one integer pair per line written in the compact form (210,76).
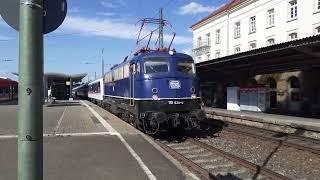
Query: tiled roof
(227,6)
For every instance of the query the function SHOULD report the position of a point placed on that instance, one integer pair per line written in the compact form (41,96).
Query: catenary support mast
(161,24)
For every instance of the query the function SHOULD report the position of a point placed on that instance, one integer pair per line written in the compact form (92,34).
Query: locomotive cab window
(156,65)
(186,66)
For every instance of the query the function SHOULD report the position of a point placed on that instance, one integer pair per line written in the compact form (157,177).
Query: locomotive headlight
(193,90)
(171,52)
(193,96)
(155,97)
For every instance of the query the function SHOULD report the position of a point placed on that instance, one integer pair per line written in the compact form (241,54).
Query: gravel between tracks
(290,162)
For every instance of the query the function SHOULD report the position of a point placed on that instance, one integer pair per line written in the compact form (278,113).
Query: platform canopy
(301,54)
(65,77)
(62,77)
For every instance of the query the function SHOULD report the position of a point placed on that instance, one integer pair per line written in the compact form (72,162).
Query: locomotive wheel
(151,127)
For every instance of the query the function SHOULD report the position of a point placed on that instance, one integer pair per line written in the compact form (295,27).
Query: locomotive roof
(150,53)
(154,53)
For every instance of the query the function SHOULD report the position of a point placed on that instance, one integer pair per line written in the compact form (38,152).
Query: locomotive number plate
(174,84)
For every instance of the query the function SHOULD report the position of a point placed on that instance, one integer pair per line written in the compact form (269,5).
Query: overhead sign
(54,13)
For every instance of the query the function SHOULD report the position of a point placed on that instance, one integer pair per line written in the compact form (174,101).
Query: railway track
(304,144)
(211,163)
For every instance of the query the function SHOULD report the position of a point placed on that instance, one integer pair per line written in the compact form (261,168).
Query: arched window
(294,82)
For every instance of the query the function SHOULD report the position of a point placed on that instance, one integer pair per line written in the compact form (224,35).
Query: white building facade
(243,25)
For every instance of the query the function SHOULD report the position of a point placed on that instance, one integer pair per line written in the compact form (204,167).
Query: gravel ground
(217,165)
(290,162)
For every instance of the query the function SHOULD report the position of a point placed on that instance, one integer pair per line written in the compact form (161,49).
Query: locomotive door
(131,83)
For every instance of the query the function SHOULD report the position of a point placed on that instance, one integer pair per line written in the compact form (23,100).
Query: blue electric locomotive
(155,90)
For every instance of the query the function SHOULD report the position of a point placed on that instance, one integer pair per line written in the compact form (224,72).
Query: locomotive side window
(126,71)
(186,66)
(156,65)
(138,68)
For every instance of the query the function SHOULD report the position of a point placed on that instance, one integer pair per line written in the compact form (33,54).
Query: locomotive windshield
(186,66)
(156,65)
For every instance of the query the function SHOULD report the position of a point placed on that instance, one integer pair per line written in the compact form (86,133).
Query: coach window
(156,65)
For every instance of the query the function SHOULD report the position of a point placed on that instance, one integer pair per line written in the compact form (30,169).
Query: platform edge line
(112,130)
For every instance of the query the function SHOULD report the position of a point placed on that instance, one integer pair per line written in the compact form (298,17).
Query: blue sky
(90,25)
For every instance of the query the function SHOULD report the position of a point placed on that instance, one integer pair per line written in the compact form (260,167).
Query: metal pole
(102,61)
(161,30)
(70,89)
(30,117)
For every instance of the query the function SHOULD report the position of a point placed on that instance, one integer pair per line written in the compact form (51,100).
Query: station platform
(306,127)
(83,141)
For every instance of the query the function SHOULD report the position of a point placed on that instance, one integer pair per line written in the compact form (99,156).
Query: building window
(293,36)
(270,18)
(252,45)
(237,49)
(207,39)
(317,5)
(293,10)
(218,54)
(317,30)
(270,41)
(218,36)
(237,30)
(199,42)
(208,56)
(252,25)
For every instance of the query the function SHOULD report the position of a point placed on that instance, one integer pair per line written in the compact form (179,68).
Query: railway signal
(32,18)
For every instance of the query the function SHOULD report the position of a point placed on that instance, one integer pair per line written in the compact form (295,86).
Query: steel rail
(272,139)
(256,168)
(203,173)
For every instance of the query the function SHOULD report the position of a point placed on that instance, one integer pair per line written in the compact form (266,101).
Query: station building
(254,43)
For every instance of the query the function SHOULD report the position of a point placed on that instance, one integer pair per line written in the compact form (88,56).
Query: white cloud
(74,10)
(112,3)
(108,27)
(5,38)
(187,51)
(195,8)
(105,14)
